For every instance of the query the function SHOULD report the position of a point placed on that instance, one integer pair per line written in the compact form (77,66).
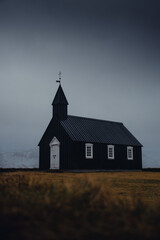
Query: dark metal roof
(98,131)
(60,97)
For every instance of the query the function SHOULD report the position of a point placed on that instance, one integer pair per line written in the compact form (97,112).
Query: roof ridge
(95,119)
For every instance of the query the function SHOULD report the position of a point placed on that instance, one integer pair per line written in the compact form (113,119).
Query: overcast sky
(108,52)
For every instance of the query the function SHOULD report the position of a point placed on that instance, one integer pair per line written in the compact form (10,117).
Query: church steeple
(60,105)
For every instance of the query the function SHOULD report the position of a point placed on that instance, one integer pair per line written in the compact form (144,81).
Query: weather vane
(59,81)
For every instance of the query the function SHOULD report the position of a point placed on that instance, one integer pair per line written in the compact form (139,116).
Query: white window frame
(130,153)
(112,149)
(89,145)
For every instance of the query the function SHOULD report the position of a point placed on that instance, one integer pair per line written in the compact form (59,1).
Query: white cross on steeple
(59,81)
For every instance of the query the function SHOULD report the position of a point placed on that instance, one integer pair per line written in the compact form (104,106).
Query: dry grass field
(98,206)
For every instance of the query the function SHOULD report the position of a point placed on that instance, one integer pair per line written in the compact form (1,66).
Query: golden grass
(106,205)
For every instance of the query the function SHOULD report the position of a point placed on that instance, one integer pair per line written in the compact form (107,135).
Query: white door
(54,154)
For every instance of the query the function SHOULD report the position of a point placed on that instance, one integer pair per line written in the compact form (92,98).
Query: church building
(79,143)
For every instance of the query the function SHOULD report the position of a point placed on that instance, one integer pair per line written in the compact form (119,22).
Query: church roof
(60,97)
(98,131)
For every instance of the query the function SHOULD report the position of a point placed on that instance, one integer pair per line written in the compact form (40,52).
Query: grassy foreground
(98,206)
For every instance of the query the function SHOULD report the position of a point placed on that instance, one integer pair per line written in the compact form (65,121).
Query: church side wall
(100,157)
(72,154)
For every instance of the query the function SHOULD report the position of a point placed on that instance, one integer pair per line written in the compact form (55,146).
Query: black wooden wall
(72,154)
(100,157)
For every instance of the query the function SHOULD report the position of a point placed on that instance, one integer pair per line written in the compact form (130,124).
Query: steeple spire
(60,104)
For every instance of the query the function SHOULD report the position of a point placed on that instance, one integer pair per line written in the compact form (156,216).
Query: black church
(78,143)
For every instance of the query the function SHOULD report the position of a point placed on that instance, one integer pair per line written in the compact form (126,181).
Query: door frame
(53,143)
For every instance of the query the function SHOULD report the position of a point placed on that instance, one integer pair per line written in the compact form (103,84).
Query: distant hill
(19,159)
(30,159)
(151,159)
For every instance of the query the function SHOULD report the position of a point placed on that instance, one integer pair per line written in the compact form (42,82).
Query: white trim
(110,151)
(54,142)
(130,153)
(54,154)
(89,150)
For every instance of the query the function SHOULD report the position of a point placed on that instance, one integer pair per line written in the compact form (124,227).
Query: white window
(130,153)
(110,152)
(89,150)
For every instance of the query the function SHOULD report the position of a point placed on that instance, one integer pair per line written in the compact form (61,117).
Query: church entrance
(54,154)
